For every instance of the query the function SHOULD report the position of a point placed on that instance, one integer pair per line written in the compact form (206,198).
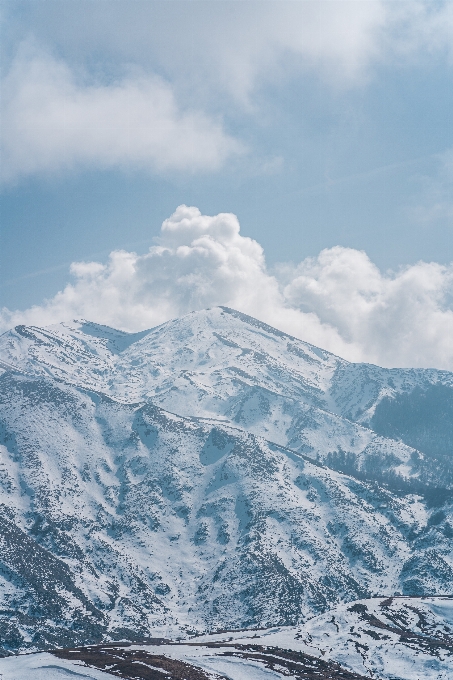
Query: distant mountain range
(211,473)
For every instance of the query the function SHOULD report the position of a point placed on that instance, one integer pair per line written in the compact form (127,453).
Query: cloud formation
(338,300)
(214,59)
(235,47)
(51,122)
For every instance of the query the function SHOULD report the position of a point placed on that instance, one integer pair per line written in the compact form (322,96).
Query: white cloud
(221,45)
(207,46)
(214,57)
(260,41)
(419,29)
(51,122)
(338,300)
(397,319)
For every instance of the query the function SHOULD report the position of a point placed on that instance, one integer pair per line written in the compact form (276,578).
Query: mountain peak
(211,472)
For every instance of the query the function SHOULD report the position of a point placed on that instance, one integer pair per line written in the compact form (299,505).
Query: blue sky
(319,124)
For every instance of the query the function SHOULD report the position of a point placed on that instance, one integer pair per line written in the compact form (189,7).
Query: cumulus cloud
(52,122)
(399,319)
(338,300)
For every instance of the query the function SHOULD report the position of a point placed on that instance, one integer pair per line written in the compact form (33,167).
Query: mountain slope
(228,515)
(164,519)
(357,418)
(404,638)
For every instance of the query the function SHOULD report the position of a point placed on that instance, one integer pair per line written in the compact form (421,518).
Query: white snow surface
(209,356)
(404,638)
(45,666)
(371,638)
(183,479)
(224,365)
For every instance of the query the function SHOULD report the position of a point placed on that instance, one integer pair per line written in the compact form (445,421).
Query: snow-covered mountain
(391,639)
(211,473)
(225,365)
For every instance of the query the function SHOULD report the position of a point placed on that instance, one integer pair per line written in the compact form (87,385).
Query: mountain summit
(211,473)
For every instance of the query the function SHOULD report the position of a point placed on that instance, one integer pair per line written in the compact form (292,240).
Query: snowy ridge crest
(211,473)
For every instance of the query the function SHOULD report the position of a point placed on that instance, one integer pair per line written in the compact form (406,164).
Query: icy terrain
(225,365)
(211,473)
(404,638)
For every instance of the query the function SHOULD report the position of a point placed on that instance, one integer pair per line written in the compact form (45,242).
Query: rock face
(211,473)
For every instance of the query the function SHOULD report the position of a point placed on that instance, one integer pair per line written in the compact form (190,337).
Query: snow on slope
(213,347)
(45,666)
(222,364)
(118,516)
(404,638)
(173,662)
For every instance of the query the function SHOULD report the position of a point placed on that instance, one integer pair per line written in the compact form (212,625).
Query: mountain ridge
(191,480)
(294,374)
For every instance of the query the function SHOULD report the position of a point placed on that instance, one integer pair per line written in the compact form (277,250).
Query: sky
(290,159)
